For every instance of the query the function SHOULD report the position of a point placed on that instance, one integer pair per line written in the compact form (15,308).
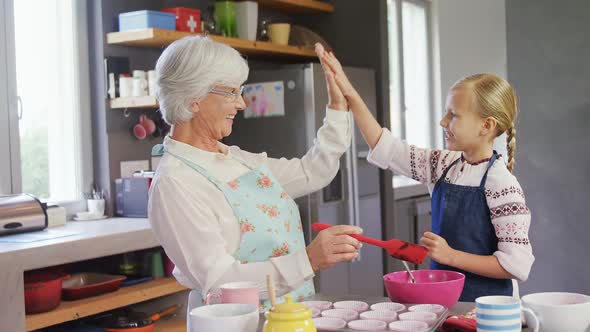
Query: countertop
(92,239)
(405,187)
(460,308)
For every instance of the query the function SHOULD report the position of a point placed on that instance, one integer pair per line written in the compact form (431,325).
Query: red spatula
(396,248)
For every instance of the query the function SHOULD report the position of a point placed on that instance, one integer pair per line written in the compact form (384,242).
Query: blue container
(143,19)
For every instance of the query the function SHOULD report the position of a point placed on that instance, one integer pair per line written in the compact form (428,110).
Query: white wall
(469,37)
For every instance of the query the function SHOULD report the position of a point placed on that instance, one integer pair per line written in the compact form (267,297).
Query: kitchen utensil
(357,306)
(42,290)
(83,285)
(390,306)
(137,321)
(271,290)
(396,248)
(432,286)
(329,323)
(408,326)
(289,317)
(224,317)
(322,305)
(421,316)
(344,314)
(21,213)
(502,313)
(367,325)
(436,309)
(557,311)
(382,315)
(412,279)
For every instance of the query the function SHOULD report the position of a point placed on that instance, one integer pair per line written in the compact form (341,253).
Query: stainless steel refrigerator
(353,195)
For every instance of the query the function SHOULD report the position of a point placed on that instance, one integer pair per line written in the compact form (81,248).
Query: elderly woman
(224,214)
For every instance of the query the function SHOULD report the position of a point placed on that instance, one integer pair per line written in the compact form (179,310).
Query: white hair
(188,68)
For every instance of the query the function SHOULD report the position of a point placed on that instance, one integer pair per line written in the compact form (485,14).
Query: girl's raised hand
(329,60)
(337,101)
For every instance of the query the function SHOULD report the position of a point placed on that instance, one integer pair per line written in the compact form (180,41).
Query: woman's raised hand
(333,245)
(336,97)
(331,64)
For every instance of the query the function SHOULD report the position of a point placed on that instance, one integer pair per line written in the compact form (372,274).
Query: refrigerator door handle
(355,182)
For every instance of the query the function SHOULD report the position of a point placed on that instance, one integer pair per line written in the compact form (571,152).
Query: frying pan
(138,321)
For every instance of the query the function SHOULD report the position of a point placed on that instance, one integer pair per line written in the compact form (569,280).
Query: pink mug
(235,292)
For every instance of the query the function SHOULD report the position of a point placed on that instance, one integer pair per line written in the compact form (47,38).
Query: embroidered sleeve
(511,219)
(424,165)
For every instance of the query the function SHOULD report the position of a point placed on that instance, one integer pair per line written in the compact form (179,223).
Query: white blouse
(509,213)
(197,227)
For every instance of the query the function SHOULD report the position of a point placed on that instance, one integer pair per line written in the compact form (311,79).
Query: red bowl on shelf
(432,287)
(83,285)
(42,290)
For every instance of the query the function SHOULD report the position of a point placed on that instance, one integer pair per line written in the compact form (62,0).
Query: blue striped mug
(500,314)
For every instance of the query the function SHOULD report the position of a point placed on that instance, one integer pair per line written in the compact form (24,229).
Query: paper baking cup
(357,306)
(315,312)
(344,314)
(386,316)
(328,323)
(322,305)
(435,308)
(422,316)
(408,326)
(367,325)
(391,306)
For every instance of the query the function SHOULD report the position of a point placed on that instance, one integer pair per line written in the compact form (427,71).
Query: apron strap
(444,175)
(490,163)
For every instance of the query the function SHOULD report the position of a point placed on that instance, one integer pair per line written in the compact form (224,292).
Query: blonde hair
(495,98)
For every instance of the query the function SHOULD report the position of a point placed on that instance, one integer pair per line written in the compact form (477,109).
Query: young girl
(480,220)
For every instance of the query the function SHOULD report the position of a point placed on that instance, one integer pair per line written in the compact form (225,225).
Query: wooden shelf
(134,102)
(297,6)
(160,38)
(173,325)
(72,310)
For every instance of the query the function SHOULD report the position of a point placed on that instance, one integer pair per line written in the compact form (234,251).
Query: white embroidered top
(509,213)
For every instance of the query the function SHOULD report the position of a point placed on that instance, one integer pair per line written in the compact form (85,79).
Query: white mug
(139,87)
(557,312)
(96,207)
(152,83)
(224,317)
(125,86)
(499,313)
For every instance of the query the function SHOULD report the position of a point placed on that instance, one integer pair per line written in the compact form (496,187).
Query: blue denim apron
(460,214)
(268,217)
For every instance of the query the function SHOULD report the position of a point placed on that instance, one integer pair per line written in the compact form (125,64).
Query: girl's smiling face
(461,123)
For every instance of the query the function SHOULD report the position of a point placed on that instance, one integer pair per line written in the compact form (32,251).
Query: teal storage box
(143,19)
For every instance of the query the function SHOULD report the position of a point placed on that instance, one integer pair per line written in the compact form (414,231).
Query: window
(44,102)
(410,65)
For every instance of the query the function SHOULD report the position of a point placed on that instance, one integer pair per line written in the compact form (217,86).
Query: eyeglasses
(230,96)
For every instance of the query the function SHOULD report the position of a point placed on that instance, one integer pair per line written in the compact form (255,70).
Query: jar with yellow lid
(289,317)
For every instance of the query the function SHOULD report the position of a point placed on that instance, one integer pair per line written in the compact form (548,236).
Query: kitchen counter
(92,239)
(460,308)
(405,187)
